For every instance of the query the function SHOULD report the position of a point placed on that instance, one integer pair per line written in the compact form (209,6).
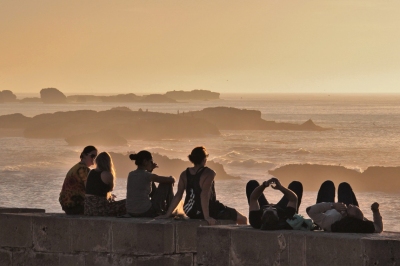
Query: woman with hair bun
(200,201)
(100,182)
(72,194)
(143,198)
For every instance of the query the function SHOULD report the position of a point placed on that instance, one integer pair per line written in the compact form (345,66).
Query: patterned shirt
(73,190)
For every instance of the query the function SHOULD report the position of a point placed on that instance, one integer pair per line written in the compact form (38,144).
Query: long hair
(352,225)
(104,163)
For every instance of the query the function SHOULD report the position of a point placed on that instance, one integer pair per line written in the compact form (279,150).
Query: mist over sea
(365,132)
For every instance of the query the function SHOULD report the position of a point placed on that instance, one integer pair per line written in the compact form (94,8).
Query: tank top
(96,186)
(192,205)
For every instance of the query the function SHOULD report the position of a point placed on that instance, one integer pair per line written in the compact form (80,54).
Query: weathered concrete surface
(242,245)
(59,239)
(20,210)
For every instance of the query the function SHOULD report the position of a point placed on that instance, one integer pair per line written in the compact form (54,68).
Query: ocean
(364,133)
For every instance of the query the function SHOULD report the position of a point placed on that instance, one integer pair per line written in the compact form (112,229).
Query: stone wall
(58,239)
(242,245)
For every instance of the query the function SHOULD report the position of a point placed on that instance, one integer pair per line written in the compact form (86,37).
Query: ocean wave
(301,151)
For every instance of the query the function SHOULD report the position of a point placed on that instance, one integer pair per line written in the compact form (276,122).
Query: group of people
(88,192)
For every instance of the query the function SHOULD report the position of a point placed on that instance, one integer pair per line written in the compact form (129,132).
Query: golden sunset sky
(96,46)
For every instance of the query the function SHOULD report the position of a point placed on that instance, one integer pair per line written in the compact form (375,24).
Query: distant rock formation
(52,95)
(229,118)
(99,138)
(167,166)
(31,100)
(14,121)
(202,95)
(7,96)
(130,97)
(127,124)
(157,98)
(374,178)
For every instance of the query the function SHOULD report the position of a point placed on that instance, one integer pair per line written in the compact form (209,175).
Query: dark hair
(140,157)
(269,221)
(352,225)
(197,155)
(87,150)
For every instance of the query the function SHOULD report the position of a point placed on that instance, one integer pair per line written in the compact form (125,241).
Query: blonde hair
(104,163)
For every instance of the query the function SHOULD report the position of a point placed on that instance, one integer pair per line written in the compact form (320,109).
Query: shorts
(227,214)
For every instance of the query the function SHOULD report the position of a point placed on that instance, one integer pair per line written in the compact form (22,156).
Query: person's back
(95,186)
(138,189)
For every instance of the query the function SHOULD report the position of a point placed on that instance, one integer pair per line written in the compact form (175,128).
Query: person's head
(354,212)
(88,155)
(352,225)
(198,156)
(143,159)
(270,219)
(104,163)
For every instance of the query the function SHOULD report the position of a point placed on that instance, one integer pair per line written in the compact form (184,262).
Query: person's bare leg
(241,219)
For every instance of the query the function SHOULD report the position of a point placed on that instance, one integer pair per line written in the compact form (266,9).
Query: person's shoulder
(209,171)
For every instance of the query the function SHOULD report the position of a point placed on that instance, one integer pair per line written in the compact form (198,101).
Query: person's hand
(375,207)
(211,221)
(275,183)
(154,166)
(339,206)
(266,184)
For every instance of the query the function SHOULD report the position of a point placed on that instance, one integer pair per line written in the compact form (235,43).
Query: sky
(232,46)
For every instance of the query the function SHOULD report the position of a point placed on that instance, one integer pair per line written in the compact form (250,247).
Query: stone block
(29,258)
(297,249)
(333,249)
(252,247)
(71,260)
(16,230)
(21,210)
(5,257)
(139,236)
(383,251)
(186,233)
(91,234)
(51,233)
(213,245)
(169,260)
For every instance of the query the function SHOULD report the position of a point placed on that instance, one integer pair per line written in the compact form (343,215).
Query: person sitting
(100,182)
(266,216)
(143,197)
(72,195)
(200,201)
(345,215)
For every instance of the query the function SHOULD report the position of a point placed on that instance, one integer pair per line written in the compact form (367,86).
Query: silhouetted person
(72,194)
(200,201)
(100,182)
(143,198)
(345,215)
(266,216)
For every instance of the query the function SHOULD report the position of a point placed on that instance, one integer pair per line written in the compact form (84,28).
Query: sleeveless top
(192,205)
(96,186)
(138,188)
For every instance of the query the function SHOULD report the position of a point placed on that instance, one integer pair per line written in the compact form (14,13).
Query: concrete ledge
(59,239)
(20,210)
(243,245)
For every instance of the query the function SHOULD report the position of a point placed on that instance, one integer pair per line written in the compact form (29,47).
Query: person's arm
(378,224)
(317,213)
(177,198)
(257,192)
(162,179)
(205,195)
(290,195)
